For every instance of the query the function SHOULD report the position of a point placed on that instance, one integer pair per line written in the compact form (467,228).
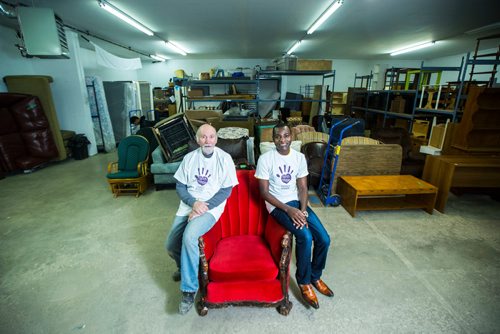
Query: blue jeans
(307,271)
(182,246)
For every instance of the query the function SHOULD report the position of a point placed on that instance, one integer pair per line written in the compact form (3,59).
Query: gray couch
(163,171)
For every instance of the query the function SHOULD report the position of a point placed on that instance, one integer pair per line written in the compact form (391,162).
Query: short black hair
(133,119)
(280,125)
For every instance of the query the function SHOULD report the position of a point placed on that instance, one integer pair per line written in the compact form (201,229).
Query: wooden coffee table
(385,192)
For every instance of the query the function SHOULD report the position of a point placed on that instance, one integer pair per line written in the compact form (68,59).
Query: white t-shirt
(282,172)
(204,177)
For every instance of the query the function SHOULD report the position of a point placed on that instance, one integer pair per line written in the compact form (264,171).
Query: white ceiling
(234,29)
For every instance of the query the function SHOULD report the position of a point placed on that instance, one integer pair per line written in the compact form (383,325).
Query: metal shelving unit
(253,88)
(415,97)
(277,75)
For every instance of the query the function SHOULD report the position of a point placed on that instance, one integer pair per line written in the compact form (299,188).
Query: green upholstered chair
(130,173)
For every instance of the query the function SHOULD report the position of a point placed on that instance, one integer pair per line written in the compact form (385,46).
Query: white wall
(11,62)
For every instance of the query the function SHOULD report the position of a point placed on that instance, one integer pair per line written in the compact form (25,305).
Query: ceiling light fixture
(296,45)
(158,57)
(326,14)
(412,48)
(118,13)
(176,48)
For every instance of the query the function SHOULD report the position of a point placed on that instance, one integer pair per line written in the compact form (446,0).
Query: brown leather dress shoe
(323,288)
(309,295)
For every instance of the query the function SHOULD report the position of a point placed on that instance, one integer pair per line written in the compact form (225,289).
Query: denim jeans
(182,246)
(307,271)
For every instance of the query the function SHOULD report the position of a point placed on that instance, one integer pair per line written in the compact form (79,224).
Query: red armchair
(245,257)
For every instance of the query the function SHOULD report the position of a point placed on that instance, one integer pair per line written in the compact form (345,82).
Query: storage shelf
(283,73)
(382,99)
(255,101)
(227,81)
(435,111)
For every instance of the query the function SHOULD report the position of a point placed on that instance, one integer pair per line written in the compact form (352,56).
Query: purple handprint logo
(286,174)
(202,176)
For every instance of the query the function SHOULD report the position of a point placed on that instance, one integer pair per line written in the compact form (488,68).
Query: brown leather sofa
(26,140)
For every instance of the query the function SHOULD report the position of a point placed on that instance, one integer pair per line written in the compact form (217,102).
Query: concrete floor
(76,260)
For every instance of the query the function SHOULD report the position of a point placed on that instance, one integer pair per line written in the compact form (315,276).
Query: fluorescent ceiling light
(296,45)
(334,6)
(176,48)
(412,48)
(158,57)
(118,13)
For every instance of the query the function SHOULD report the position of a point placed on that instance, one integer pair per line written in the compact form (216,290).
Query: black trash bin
(79,145)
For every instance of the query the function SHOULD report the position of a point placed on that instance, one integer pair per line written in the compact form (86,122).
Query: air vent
(42,33)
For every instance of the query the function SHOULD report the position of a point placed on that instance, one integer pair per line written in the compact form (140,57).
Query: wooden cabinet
(339,102)
(479,129)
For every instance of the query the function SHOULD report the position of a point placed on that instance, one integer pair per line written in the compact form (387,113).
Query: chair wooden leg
(285,307)
(202,308)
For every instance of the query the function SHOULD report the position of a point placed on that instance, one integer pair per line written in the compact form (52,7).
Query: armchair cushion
(123,174)
(242,258)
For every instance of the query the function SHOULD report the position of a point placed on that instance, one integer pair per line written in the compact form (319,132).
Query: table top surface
(395,184)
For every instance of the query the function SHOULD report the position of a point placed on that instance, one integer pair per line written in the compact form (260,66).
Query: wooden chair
(245,257)
(130,173)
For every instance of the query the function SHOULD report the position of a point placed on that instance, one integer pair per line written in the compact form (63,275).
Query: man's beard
(207,150)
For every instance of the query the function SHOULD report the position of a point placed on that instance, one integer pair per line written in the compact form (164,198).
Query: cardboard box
(313,65)
(195,92)
(266,134)
(200,117)
(286,63)
(215,118)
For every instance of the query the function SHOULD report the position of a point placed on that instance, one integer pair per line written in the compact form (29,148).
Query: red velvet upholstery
(245,257)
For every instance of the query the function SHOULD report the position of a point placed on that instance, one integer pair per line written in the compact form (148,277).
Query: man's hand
(200,208)
(298,217)
(192,215)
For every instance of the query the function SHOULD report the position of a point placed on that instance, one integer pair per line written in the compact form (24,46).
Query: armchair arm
(278,239)
(209,240)
(142,168)
(207,244)
(113,167)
